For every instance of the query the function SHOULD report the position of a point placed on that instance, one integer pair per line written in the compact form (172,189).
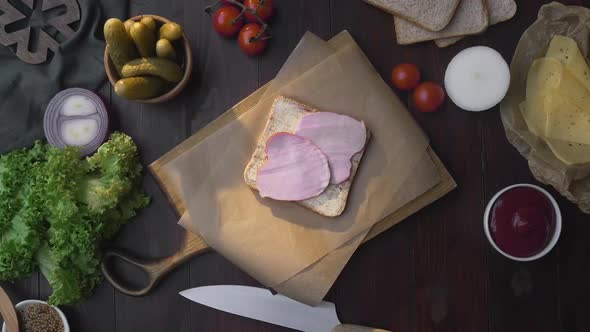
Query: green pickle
(120,45)
(171,31)
(149,22)
(163,68)
(137,88)
(144,38)
(128,25)
(164,49)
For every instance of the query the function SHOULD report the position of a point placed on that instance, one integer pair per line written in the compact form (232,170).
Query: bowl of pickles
(147,58)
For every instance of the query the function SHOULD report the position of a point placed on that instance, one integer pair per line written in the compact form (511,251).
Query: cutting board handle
(192,245)
(8,312)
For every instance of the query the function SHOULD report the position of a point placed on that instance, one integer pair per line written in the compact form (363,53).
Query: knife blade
(261,304)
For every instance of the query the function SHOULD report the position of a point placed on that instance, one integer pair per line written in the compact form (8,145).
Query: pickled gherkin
(120,46)
(163,68)
(137,88)
(164,49)
(149,22)
(171,31)
(144,38)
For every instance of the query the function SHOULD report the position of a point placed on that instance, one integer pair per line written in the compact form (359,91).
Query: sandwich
(307,156)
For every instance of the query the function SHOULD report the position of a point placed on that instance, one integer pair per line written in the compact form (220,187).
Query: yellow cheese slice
(569,152)
(566,120)
(534,114)
(544,76)
(548,76)
(566,50)
(557,106)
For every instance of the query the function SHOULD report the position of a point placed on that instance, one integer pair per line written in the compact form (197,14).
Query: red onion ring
(53,119)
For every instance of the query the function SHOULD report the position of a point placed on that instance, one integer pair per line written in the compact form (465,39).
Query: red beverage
(522,221)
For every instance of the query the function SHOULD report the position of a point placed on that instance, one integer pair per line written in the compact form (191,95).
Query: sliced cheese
(533,112)
(569,152)
(557,106)
(566,50)
(546,78)
(527,120)
(566,120)
(549,76)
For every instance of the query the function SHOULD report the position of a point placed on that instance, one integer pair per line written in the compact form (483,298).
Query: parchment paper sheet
(311,285)
(278,243)
(553,19)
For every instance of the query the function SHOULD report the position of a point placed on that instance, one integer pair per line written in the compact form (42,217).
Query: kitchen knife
(261,304)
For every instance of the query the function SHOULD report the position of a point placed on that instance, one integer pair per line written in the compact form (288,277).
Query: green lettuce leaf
(22,217)
(56,209)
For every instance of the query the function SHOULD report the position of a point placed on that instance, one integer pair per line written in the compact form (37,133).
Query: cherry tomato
(405,76)
(227,21)
(246,42)
(264,9)
(428,96)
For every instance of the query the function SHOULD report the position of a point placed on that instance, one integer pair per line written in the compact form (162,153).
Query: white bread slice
(432,15)
(498,11)
(284,117)
(470,18)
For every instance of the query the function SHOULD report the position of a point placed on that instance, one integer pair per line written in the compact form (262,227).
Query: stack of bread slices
(444,21)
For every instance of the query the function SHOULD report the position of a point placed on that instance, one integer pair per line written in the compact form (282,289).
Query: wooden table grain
(433,272)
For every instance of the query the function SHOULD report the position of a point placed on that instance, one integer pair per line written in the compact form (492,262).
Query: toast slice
(284,116)
(470,18)
(432,15)
(498,11)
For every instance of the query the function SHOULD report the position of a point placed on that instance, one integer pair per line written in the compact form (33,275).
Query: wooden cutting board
(445,185)
(193,244)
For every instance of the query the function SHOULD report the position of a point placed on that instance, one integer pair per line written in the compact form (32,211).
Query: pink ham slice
(339,137)
(295,170)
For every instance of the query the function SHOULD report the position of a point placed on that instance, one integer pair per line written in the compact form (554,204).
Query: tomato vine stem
(264,25)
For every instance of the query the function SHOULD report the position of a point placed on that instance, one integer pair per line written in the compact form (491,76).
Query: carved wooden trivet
(22,37)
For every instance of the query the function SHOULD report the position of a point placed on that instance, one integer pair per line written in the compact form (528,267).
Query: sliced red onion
(78,105)
(78,132)
(76,117)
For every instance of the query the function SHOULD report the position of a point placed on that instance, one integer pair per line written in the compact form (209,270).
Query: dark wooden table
(433,272)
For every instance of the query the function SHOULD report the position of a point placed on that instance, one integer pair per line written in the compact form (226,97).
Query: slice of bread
(470,18)
(498,11)
(432,15)
(284,117)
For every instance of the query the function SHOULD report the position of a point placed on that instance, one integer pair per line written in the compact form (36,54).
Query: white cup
(22,305)
(556,232)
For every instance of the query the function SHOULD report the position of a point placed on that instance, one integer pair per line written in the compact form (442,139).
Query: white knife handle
(355,328)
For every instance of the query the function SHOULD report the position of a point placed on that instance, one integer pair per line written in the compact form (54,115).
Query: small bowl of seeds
(38,316)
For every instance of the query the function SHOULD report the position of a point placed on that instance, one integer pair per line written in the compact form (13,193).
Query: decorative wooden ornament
(46,42)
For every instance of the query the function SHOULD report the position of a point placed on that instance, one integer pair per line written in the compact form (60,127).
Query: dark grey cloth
(26,89)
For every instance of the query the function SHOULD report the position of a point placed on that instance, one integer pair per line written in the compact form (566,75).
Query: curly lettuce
(59,208)
(21,211)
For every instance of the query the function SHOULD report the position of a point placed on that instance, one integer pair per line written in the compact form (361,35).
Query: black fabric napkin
(26,89)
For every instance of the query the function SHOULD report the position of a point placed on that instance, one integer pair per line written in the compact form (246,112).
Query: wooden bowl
(186,63)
